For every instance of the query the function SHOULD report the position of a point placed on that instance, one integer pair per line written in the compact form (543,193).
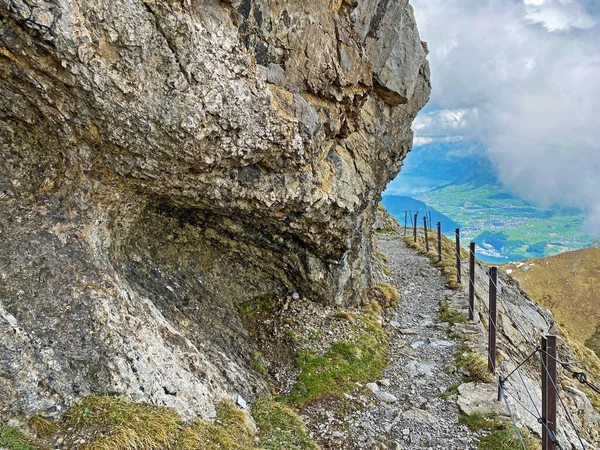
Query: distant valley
(504,227)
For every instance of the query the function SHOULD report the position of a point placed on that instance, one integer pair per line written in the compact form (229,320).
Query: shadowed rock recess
(162,161)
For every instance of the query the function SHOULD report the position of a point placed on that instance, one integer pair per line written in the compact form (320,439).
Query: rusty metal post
(458,271)
(549,392)
(426,235)
(415,227)
(405,221)
(492,320)
(472,281)
(439,226)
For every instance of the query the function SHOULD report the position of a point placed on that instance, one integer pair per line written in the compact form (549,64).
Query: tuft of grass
(291,335)
(343,315)
(372,307)
(280,428)
(341,366)
(43,427)
(383,257)
(259,368)
(125,425)
(230,432)
(479,421)
(449,315)
(386,270)
(386,294)
(12,438)
(501,433)
(120,425)
(507,439)
(474,366)
(261,306)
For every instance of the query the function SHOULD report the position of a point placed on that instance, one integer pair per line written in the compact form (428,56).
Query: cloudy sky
(522,79)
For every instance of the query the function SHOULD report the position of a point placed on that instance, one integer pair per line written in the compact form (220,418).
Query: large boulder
(161,161)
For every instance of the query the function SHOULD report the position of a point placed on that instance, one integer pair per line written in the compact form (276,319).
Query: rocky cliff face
(161,161)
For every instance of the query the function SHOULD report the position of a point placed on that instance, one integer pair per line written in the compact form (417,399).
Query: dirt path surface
(411,413)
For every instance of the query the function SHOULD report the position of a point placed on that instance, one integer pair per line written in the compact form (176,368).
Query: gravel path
(420,350)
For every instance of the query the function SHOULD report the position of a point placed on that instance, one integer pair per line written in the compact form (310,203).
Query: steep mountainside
(163,161)
(569,285)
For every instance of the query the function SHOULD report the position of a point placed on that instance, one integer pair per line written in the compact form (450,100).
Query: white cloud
(446,125)
(558,15)
(523,79)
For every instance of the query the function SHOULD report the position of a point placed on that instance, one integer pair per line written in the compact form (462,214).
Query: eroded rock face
(162,161)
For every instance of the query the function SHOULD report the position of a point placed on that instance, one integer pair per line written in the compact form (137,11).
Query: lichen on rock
(162,161)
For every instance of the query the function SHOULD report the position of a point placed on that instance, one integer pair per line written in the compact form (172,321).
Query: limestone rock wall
(161,161)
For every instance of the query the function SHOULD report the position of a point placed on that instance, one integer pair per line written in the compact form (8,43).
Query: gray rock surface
(480,398)
(162,161)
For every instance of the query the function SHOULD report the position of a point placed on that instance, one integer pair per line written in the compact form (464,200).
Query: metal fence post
(439,226)
(405,221)
(549,392)
(458,271)
(426,235)
(430,222)
(415,227)
(472,281)
(492,320)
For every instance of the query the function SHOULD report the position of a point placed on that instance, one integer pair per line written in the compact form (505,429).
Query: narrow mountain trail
(421,354)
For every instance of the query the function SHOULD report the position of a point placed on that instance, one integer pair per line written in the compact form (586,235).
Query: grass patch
(121,425)
(507,439)
(13,439)
(502,435)
(372,307)
(343,315)
(341,366)
(261,306)
(259,368)
(473,365)
(125,425)
(478,421)
(386,270)
(280,427)
(449,315)
(387,295)
(230,432)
